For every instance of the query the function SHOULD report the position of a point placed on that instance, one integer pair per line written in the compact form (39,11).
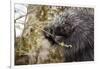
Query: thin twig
(24,15)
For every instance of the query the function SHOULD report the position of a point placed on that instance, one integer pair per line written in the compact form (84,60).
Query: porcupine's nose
(48,33)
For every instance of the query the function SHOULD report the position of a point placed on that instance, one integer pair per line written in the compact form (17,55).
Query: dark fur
(74,27)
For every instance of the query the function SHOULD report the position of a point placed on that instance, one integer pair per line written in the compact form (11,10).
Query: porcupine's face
(57,34)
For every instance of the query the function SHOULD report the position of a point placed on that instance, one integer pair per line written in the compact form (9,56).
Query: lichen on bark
(32,47)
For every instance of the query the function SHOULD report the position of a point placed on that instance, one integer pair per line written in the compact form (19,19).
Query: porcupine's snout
(48,33)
